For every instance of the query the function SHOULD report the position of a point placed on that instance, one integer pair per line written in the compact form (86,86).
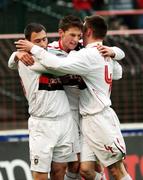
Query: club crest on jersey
(36,160)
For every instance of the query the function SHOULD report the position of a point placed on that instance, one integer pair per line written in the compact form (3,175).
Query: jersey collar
(60,45)
(95,44)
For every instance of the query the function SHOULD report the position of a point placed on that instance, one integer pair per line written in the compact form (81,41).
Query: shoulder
(89,51)
(53,45)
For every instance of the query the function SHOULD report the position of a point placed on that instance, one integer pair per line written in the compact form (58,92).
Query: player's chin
(72,47)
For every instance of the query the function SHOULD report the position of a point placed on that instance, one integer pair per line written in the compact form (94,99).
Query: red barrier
(119,12)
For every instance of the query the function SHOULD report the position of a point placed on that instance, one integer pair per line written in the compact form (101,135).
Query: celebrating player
(50,125)
(102,137)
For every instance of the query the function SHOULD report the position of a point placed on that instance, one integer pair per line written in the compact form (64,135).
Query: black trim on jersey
(82,85)
(50,83)
(71,80)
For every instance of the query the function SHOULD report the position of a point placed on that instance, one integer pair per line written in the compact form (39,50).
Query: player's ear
(61,32)
(89,31)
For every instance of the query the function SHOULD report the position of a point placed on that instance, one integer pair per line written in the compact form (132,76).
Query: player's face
(70,38)
(39,39)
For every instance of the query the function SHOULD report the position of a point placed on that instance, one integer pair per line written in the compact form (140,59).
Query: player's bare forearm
(106,51)
(25,57)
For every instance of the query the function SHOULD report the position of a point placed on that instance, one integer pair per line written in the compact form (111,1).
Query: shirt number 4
(108,77)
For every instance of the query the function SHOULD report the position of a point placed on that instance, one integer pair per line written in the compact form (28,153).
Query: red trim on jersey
(43,79)
(60,45)
(50,83)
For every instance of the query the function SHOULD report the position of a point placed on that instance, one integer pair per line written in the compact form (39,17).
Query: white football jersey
(96,71)
(44,92)
(72,90)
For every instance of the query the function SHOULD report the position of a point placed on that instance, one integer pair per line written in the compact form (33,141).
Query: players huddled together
(73,131)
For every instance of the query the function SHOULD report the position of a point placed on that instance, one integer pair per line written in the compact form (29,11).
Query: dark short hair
(97,24)
(33,27)
(70,21)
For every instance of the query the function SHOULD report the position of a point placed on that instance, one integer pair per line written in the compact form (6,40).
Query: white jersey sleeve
(36,67)
(119,54)
(95,70)
(73,64)
(40,68)
(12,64)
(117,71)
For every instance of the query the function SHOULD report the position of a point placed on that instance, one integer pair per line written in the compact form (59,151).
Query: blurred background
(125,19)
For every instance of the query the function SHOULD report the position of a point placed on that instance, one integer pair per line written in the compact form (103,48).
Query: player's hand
(25,57)
(24,45)
(106,51)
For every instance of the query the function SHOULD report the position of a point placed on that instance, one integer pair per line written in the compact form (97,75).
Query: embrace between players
(73,132)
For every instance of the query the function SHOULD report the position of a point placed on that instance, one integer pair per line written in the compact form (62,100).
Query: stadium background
(126,32)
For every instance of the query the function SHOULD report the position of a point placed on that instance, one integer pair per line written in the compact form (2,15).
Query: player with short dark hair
(50,124)
(33,27)
(70,31)
(102,138)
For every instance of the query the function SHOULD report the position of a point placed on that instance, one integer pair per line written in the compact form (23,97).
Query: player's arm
(71,65)
(114,52)
(25,57)
(117,71)
(12,62)
(75,63)
(28,60)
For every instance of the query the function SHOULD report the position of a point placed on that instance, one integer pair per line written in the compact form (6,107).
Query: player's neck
(63,47)
(93,40)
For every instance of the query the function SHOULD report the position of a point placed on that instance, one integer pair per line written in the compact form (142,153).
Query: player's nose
(43,44)
(76,38)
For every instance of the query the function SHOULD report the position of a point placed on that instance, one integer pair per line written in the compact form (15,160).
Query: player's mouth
(73,44)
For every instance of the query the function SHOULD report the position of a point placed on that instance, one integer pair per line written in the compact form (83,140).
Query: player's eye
(44,39)
(39,40)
